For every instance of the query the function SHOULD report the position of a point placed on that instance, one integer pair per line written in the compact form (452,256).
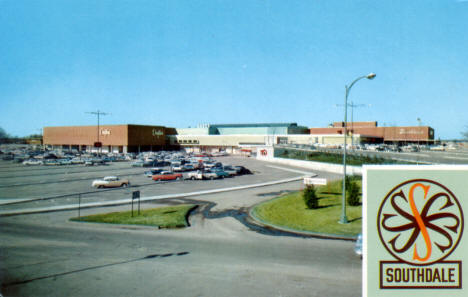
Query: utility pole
(352,105)
(99,114)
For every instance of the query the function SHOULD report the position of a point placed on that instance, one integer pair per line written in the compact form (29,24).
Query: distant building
(236,138)
(112,138)
(233,138)
(399,135)
(245,129)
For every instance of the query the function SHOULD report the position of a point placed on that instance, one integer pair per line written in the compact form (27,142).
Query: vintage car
(110,182)
(220,172)
(167,175)
(32,162)
(193,175)
(153,171)
(203,174)
(230,170)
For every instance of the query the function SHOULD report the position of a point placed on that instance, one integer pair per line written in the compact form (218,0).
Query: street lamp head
(371,75)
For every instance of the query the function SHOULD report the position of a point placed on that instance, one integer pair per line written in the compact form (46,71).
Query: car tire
(192,178)
(178,178)
(212,177)
(124,185)
(99,187)
(158,180)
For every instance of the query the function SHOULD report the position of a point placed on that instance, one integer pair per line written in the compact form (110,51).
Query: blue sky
(181,63)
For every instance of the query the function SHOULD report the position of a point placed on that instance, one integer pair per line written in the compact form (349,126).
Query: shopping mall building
(233,138)
(106,138)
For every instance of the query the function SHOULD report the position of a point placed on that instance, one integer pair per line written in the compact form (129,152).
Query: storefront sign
(413,227)
(157,132)
(105,132)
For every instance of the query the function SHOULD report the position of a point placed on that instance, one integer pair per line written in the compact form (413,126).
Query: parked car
(167,175)
(220,154)
(18,159)
(64,162)
(110,182)
(231,170)
(208,164)
(358,246)
(188,167)
(242,170)
(220,172)
(212,164)
(8,157)
(50,162)
(94,161)
(193,175)
(77,160)
(153,171)
(32,162)
(161,163)
(138,163)
(178,168)
(208,174)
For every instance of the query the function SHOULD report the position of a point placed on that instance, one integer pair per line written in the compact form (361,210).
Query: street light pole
(344,219)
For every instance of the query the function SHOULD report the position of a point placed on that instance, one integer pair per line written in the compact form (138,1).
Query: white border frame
(365,168)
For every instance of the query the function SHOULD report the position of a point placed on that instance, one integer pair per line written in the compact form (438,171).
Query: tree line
(7,138)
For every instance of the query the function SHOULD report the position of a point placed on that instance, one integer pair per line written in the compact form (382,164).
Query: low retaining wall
(320,166)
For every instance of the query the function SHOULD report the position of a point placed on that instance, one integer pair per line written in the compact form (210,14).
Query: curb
(295,231)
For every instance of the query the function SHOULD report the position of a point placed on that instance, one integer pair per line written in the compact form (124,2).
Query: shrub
(352,191)
(348,181)
(310,197)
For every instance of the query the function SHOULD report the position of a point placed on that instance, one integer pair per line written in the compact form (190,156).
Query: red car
(167,175)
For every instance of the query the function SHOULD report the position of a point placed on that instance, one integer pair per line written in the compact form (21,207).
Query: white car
(77,160)
(32,162)
(110,182)
(358,246)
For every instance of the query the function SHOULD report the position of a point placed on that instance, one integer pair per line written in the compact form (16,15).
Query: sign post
(136,195)
(413,224)
(79,206)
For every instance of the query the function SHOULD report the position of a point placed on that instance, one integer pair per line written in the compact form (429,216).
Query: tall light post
(344,219)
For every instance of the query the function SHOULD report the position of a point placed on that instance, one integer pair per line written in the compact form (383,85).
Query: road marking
(455,158)
(12,200)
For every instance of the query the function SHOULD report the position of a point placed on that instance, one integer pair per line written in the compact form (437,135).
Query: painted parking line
(13,200)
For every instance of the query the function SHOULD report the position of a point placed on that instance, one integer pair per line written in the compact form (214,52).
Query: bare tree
(465,133)
(3,133)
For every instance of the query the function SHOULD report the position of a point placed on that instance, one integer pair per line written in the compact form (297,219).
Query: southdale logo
(420,223)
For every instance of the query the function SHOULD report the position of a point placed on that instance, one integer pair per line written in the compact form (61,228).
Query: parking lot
(62,185)
(45,254)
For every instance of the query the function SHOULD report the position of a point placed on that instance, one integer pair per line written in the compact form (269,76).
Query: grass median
(290,211)
(162,217)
